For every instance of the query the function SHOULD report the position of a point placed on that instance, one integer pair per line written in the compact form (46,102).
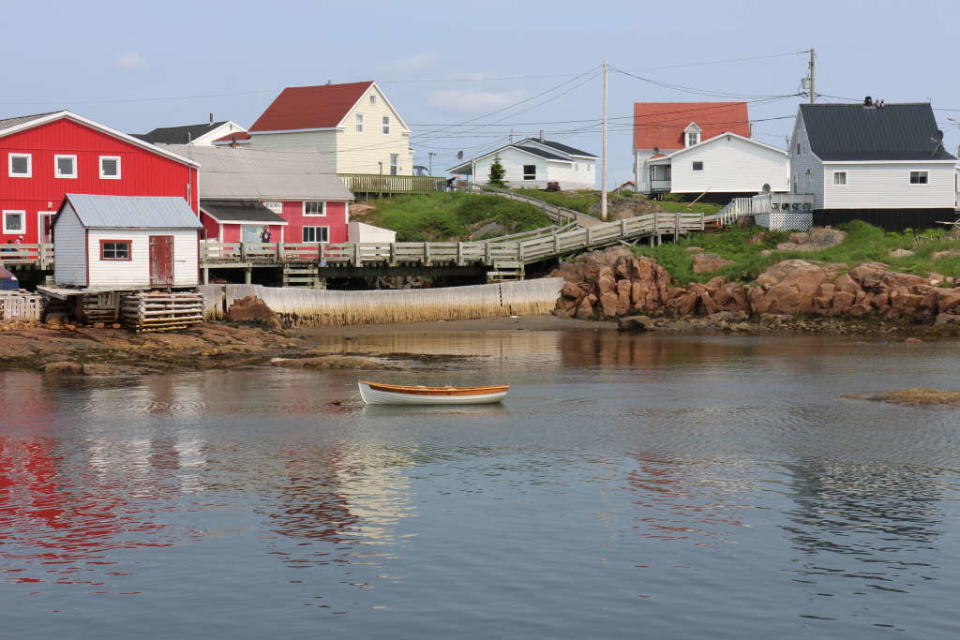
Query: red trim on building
(127,242)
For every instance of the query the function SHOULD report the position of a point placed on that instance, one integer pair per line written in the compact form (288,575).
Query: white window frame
(839,178)
(693,138)
(104,176)
(40,226)
(694,163)
(326,234)
(56,166)
(323,209)
(394,166)
(28,156)
(373,98)
(23,222)
(385,125)
(919,172)
(359,123)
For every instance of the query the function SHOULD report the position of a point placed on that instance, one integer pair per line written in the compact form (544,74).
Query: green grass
(864,243)
(451,216)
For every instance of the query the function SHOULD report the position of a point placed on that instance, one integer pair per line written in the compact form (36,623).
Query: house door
(45,226)
(161,261)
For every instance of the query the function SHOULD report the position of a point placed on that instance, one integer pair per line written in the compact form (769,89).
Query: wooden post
(248,275)
(487,253)
(206,275)
(393,254)
(589,236)
(243,252)
(623,227)
(520,251)
(426,254)
(459,254)
(655,240)
(703,225)
(356,254)
(676,226)
(556,243)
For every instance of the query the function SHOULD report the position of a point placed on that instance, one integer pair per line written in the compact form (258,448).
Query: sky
(464,74)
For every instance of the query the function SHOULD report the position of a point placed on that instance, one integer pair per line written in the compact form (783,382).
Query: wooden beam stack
(161,311)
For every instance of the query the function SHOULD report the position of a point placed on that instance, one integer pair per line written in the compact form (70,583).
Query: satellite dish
(459,155)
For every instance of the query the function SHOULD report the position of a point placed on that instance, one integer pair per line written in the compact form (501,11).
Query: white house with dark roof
(881,163)
(202,134)
(534,163)
(126,242)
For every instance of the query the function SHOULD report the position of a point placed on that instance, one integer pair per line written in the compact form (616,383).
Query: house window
(394,164)
(109,167)
(14,222)
(359,123)
(386,124)
(839,177)
(19,165)
(798,148)
(919,177)
(316,234)
(693,137)
(529,172)
(373,98)
(698,165)
(65,166)
(314,208)
(115,249)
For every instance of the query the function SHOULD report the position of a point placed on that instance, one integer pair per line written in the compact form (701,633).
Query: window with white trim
(316,234)
(386,125)
(314,208)
(65,166)
(14,222)
(693,137)
(373,98)
(109,167)
(919,177)
(839,178)
(19,165)
(394,164)
(529,172)
(359,123)
(698,165)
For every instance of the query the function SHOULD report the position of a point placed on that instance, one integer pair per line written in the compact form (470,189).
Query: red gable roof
(316,107)
(661,124)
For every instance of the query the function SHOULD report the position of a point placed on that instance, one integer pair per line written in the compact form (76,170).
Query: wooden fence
(38,255)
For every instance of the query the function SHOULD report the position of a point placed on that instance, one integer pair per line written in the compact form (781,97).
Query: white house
(725,164)
(353,125)
(881,163)
(200,135)
(534,163)
(126,242)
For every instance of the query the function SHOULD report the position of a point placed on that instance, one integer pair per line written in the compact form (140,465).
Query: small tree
(496,173)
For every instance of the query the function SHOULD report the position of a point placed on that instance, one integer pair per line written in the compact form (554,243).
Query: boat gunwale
(421,390)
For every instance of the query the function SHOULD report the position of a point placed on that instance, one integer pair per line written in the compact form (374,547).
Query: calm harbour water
(630,487)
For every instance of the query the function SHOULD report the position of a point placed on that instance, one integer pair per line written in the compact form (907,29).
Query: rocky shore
(803,295)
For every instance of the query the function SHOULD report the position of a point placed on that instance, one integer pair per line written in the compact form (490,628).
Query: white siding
(360,232)
(730,165)
(806,170)
(576,174)
(70,265)
(135,273)
(887,186)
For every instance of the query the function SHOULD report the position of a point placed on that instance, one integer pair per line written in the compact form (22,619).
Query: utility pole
(812,77)
(603,150)
(430,155)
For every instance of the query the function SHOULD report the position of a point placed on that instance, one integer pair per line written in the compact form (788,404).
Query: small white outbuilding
(126,242)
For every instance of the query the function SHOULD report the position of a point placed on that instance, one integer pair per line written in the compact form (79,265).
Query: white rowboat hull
(377,396)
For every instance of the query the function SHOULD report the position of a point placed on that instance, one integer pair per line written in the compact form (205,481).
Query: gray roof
(529,145)
(8,123)
(538,152)
(178,135)
(132,212)
(906,131)
(239,211)
(559,146)
(228,173)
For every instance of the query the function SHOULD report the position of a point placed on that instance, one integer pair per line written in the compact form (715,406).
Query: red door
(161,261)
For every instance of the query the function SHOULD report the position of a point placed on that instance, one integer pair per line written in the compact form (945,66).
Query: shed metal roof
(7,123)
(132,212)
(903,131)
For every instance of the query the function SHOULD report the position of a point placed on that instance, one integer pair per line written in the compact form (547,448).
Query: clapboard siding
(874,186)
(730,165)
(135,273)
(363,152)
(805,168)
(70,265)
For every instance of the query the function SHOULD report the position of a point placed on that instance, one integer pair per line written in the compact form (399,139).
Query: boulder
(250,309)
(901,253)
(816,239)
(695,250)
(709,262)
(635,323)
(951,253)
(63,367)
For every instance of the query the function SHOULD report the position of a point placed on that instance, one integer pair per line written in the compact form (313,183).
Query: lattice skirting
(785,221)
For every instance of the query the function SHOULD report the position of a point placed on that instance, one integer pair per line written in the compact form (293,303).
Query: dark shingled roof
(229,211)
(537,151)
(177,135)
(12,122)
(566,148)
(907,131)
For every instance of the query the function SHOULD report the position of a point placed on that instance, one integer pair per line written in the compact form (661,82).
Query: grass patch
(452,216)
(864,243)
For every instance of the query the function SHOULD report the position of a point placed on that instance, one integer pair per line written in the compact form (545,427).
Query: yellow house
(352,125)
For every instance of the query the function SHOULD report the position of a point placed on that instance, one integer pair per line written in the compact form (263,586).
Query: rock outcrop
(615,284)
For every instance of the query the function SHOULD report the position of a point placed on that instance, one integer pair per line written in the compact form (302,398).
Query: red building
(45,156)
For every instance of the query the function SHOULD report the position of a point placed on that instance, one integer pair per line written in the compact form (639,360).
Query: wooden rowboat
(377,393)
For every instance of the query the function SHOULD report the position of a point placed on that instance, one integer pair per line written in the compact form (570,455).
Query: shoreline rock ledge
(614,283)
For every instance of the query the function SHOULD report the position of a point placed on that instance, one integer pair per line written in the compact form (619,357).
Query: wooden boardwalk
(500,254)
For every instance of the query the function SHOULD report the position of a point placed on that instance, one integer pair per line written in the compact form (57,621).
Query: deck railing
(390,184)
(39,255)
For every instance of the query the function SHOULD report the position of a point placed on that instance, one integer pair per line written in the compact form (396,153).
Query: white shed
(533,163)
(126,242)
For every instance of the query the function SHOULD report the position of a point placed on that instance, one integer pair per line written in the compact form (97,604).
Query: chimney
(868,102)
(541,135)
(211,117)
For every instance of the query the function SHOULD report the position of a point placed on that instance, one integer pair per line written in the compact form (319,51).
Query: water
(631,486)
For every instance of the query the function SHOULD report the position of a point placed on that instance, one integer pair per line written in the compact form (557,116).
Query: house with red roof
(353,125)
(703,148)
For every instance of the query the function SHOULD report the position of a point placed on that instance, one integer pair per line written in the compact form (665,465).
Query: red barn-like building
(45,156)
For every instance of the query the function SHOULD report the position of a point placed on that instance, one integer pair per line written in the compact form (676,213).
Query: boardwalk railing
(558,214)
(39,255)
(377,183)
